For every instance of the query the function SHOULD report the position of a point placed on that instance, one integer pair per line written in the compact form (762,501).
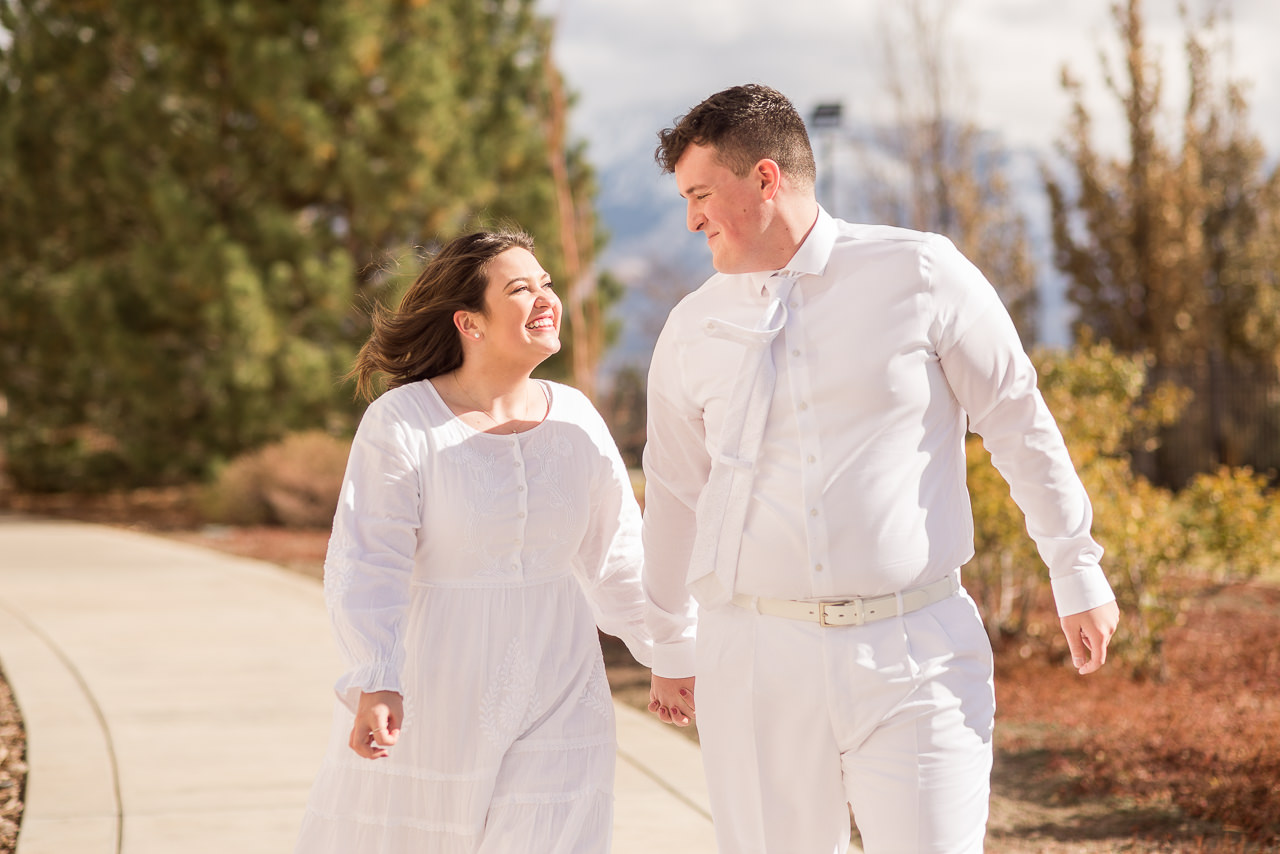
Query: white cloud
(637,64)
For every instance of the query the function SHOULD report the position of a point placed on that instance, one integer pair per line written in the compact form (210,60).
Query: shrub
(294,482)
(1137,523)
(1234,523)
(1006,576)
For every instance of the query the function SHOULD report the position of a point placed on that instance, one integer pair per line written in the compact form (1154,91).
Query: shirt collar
(812,256)
(814,253)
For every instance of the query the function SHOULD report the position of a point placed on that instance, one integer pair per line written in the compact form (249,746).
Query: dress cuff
(368,678)
(1082,590)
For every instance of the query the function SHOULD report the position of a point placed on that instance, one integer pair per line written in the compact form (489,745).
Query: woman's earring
(477,334)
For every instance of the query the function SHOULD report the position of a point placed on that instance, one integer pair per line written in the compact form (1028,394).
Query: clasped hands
(672,700)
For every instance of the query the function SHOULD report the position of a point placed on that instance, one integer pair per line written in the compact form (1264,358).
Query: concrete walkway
(177,701)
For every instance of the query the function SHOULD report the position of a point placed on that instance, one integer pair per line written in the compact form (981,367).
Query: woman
(486,527)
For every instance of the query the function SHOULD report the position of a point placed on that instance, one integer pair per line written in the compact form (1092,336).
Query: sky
(635,65)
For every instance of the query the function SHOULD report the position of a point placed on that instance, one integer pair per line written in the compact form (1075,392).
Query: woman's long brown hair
(418,340)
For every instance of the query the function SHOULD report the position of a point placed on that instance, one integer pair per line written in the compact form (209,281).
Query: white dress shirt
(893,343)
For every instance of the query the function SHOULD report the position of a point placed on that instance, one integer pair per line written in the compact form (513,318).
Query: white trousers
(799,722)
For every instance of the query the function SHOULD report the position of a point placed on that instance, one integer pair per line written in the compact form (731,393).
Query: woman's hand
(377,726)
(672,700)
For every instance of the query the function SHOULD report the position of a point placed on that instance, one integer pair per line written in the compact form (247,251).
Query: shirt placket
(794,346)
(521,473)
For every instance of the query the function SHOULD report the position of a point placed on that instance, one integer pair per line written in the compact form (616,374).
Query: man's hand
(1088,634)
(672,700)
(377,724)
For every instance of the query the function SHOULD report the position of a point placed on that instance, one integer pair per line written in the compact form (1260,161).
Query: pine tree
(199,196)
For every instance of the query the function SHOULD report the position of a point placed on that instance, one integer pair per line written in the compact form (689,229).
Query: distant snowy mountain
(650,250)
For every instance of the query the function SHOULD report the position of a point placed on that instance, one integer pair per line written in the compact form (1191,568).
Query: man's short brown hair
(744,124)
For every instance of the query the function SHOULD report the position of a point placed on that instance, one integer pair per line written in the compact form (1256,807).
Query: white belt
(854,612)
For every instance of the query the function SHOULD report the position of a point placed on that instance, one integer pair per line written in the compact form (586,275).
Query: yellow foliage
(1221,526)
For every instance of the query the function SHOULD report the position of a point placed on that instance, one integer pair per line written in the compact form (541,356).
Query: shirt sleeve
(994,381)
(370,556)
(609,562)
(676,466)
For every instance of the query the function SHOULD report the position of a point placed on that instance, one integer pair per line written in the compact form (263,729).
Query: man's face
(731,211)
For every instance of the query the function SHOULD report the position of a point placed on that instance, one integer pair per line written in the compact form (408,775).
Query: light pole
(825,121)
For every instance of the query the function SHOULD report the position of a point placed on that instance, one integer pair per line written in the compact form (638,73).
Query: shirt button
(520,488)
(795,353)
(813,512)
(817,567)
(520,515)
(812,458)
(803,406)
(518,464)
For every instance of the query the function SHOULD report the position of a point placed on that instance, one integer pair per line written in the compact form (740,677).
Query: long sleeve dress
(469,571)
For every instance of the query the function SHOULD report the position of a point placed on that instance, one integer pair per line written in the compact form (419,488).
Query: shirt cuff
(674,660)
(1084,589)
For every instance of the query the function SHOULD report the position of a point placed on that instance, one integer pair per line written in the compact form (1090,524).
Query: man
(807,414)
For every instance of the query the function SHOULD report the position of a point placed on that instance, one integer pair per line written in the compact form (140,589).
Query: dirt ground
(1081,766)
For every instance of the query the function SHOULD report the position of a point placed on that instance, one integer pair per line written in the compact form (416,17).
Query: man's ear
(769,175)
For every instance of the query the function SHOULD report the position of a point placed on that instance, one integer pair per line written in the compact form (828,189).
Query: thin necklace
(471,400)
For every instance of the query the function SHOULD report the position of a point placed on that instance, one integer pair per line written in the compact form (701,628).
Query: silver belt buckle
(858,618)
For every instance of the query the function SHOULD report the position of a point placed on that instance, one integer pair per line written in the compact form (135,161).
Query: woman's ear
(466,323)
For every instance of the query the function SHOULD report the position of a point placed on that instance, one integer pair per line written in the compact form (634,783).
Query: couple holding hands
(794,580)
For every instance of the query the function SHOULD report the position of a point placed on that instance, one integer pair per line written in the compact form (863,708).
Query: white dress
(469,571)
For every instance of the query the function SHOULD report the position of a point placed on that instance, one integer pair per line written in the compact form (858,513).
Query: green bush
(1006,576)
(1160,545)
(1233,520)
(294,483)
(1146,548)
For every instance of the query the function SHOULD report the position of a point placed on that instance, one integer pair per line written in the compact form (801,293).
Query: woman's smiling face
(522,310)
